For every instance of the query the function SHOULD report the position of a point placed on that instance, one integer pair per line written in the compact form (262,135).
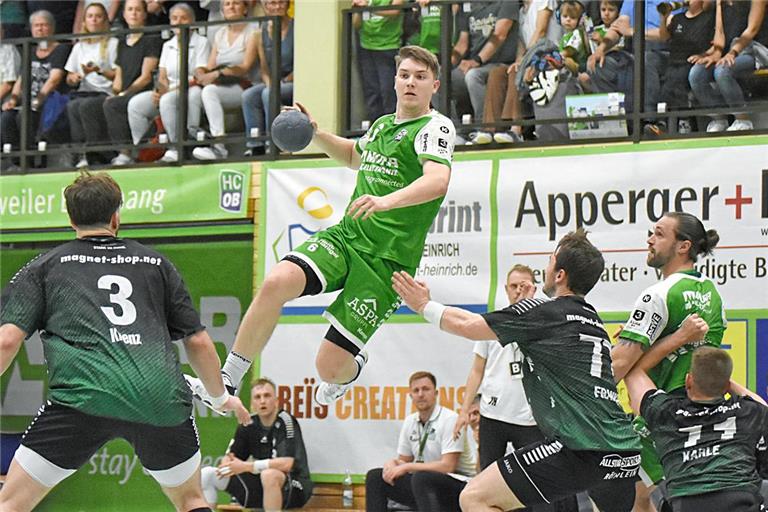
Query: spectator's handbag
(154,153)
(54,106)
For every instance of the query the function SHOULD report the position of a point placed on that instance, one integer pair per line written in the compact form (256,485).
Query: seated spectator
(426,453)
(502,100)
(91,70)
(137,57)
(742,26)
(234,53)
(608,14)
(10,68)
(163,100)
(689,35)
(47,79)
(380,39)
(62,12)
(112,8)
(266,464)
(712,448)
(488,38)
(256,98)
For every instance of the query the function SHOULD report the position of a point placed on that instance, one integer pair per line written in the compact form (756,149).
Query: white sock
(211,483)
(360,360)
(234,369)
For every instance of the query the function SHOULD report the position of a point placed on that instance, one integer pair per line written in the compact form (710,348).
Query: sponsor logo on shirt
(655,321)
(128,339)
(614,460)
(646,298)
(697,300)
(442,143)
(444,129)
(402,133)
(638,315)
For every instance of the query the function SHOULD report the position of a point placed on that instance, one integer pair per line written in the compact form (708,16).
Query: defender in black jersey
(713,449)
(107,310)
(568,380)
(278,477)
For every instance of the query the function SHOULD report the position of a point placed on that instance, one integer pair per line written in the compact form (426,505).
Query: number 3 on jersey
(120,298)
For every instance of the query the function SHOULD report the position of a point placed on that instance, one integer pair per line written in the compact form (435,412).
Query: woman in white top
(91,70)
(232,58)
(145,106)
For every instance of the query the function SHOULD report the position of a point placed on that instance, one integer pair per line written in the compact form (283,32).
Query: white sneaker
(200,393)
(717,125)
(170,156)
(460,140)
(481,138)
(82,163)
(214,152)
(327,393)
(507,137)
(122,159)
(740,125)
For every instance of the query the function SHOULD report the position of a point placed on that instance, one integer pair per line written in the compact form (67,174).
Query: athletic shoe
(200,393)
(82,163)
(122,159)
(327,393)
(170,156)
(507,137)
(740,125)
(460,140)
(481,138)
(214,152)
(717,125)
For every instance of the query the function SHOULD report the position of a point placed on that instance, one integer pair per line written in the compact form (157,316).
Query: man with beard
(673,246)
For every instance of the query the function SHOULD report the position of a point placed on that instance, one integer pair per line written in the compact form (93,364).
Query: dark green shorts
(367,298)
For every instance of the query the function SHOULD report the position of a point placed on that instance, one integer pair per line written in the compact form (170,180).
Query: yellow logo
(311,198)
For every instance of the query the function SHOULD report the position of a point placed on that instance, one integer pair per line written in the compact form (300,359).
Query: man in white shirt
(426,453)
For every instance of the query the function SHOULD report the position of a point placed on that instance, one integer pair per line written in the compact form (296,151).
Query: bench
(325,498)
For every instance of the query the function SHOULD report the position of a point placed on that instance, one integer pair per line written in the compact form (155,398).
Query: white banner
(618,197)
(360,431)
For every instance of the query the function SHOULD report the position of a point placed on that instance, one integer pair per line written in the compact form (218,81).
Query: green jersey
(708,447)
(576,46)
(108,311)
(567,372)
(392,154)
(379,32)
(428,35)
(660,311)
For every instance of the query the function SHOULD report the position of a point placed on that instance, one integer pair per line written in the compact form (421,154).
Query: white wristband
(218,401)
(260,465)
(433,312)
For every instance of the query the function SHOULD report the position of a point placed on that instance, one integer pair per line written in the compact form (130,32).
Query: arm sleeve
(652,406)
(60,56)
(448,444)
(762,447)
(202,53)
(182,317)
(23,299)
(403,444)
(154,47)
(648,319)
(435,141)
(164,57)
(481,348)
(112,52)
(73,61)
(509,11)
(287,445)
(239,444)
(362,141)
(514,322)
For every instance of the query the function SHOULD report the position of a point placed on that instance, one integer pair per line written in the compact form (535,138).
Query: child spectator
(256,98)
(740,24)
(609,12)
(145,106)
(380,38)
(91,70)
(689,33)
(137,58)
(47,79)
(234,53)
(573,45)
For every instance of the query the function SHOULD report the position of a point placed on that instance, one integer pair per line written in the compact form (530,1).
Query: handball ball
(292,131)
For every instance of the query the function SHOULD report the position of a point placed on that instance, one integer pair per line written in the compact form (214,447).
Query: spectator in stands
(234,53)
(743,32)
(502,100)
(256,98)
(10,67)
(488,36)
(426,452)
(47,79)
(574,46)
(278,476)
(137,57)
(380,39)
(608,14)
(62,12)
(112,8)
(91,71)
(689,35)
(163,100)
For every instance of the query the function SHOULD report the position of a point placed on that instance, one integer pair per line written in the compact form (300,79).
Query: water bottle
(347,493)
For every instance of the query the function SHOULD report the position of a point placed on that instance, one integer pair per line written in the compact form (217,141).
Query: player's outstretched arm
(638,384)
(340,149)
(735,388)
(693,328)
(453,320)
(205,361)
(11,338)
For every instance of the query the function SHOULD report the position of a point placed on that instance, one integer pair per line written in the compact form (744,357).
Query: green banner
(170,194)
(220,279)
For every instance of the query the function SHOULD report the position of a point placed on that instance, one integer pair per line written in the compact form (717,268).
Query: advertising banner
(172,194)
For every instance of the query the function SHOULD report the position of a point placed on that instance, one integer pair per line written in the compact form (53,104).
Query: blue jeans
(377,77)
(256,108)
(718,85)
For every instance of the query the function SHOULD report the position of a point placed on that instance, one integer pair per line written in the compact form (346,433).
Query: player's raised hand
(366,205)
(694,328)
(414,293)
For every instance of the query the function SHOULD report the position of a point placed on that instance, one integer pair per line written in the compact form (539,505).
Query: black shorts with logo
(68,438)
(248,491)
(546,471)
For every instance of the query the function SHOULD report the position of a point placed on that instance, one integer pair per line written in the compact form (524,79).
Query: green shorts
(366,299)
(651,470)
